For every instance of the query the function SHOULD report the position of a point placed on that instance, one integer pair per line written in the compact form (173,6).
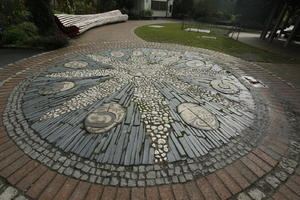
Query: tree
(12,12)
(253,13)
(42,16)
(183,8)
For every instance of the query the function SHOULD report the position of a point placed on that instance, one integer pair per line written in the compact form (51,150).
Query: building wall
(159,13)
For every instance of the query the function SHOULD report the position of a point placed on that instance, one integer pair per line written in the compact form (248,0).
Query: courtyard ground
(231,151)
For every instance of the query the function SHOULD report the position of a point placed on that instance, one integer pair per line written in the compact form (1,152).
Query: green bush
(13,36)
(50,42)
(147,13)
(26,35)
(18,34)
(12,12)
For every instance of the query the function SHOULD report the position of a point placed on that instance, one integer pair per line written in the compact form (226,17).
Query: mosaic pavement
(136,116)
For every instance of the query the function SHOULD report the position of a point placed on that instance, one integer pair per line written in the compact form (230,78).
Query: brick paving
(270,170)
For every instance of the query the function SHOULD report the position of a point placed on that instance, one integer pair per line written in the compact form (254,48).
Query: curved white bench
(77,24)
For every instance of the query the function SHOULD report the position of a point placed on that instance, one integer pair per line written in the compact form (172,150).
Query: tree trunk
(42,16)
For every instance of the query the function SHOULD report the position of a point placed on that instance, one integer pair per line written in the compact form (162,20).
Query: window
(158,5)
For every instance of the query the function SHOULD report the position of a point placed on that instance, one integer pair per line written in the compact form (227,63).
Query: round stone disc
(197,116)
(159,53)
(100,119)
(195,63)
(137,53)
(76,64)
(56,87)
(117,54)
(104,118)
(224,86)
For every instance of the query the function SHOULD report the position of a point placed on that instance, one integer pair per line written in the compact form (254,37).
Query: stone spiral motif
(104,118)
(56,87)
(76,64)
(224,86)
(195,63)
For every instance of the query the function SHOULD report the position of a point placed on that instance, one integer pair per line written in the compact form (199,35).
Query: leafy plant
(49,42)
(12,12)
(147,13)
(19,34)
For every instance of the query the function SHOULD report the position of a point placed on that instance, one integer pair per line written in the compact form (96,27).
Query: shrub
(12,12)
(18,34)
(50,42)
(147,13)
(26,35)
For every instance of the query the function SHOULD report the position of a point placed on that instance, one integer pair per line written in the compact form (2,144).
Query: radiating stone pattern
(150,106)
(153,87)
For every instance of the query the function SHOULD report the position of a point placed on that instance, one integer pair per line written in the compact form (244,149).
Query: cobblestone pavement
(137,120)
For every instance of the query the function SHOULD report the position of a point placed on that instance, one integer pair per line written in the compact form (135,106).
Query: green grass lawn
(172,33)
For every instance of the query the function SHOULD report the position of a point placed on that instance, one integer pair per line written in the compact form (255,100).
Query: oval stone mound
(56,87)
(224,86)
(197,116)
(104,118)
(76,64)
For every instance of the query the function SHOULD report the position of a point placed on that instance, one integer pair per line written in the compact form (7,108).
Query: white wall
(160,13)
(147,4)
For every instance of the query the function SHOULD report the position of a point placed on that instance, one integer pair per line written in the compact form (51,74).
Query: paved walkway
(276,46)
(10,55)
(167,128)
(288,72)
(116,32)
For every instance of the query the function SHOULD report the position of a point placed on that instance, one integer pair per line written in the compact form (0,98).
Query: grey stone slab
(178,145)
(173,154)
(120,145)
(146,151)
(130,146)
(113,144)
(72,142)
(194,146)
(91,147)
(60,133)
(186,146)
(81,145)
(139,142)
(129,114)
(134,150)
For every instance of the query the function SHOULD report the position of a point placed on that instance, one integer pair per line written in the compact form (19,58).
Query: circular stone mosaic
(149,108)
